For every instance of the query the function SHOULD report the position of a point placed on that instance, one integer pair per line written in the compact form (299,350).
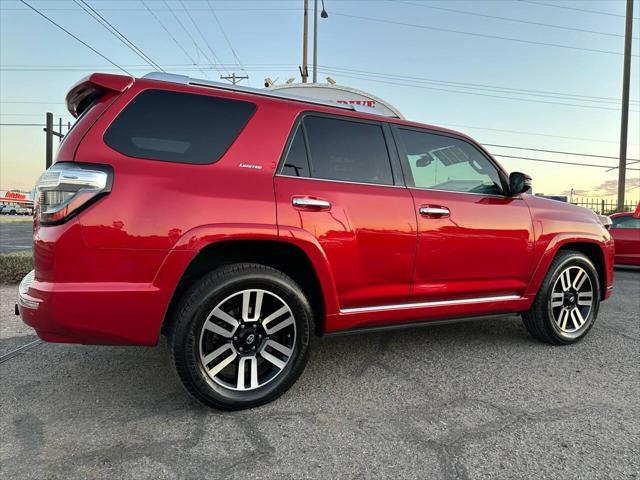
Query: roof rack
(185,80)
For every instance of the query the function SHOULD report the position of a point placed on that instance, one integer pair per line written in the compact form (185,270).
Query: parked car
(625,230)
(241,223)
(14,209)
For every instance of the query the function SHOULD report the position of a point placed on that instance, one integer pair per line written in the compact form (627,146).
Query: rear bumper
(92,313)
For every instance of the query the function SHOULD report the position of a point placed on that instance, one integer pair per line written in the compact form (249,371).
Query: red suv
(243,222)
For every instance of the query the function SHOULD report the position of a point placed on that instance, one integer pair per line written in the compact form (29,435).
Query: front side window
(178,127)
(625,222)
(347,151)
(440,162)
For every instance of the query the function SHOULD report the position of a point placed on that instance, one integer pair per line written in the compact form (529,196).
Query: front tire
(567,303)
(241,336)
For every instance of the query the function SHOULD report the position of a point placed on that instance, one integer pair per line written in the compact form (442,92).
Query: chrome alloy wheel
(247,340)
(572,299)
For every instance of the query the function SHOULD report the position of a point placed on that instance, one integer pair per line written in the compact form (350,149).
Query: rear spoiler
(90,88)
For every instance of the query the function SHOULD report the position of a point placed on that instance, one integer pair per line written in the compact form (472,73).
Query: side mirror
(519,183)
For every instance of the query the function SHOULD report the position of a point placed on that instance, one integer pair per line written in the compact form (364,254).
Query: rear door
(338,183)
(474,242)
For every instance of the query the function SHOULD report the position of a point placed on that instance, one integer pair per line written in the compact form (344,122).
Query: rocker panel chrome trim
(439,303)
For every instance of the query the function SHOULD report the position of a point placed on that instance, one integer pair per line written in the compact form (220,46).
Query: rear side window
(342,150)
(178,127)
(296,163)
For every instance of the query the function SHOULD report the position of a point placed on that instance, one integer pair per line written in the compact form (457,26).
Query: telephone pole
(624,121)
(304,72)
(49,134)
(315,41)
(233,78)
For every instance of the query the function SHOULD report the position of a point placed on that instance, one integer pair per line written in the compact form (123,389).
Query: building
(16,197)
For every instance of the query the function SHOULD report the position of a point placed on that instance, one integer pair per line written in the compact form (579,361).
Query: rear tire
(567,303)
(241,336)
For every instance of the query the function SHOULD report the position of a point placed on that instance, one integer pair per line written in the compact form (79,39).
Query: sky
(543,75)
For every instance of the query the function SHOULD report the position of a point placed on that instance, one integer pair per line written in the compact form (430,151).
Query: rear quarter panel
(155,205)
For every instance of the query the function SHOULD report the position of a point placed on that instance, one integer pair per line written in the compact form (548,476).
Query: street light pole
(624,121)
(323,14)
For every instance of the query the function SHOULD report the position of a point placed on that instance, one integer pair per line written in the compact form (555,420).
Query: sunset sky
(537,75)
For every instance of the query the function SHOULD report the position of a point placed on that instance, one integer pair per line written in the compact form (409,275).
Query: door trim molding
(437,303)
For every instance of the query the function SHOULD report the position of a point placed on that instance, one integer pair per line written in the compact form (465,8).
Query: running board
(410,325)
(439,303)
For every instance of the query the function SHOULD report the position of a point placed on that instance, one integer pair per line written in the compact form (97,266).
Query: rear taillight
(66,188)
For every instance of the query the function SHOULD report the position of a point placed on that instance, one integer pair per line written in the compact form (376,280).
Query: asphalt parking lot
(15,235)
(469,401)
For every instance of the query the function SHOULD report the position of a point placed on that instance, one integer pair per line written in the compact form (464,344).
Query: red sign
(16,195)
(366,103)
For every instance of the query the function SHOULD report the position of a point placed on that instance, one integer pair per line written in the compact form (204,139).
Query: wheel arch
(292,259)
(592,248)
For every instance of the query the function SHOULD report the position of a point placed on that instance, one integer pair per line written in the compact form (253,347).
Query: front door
(626,235)
(474,242)
(338,185)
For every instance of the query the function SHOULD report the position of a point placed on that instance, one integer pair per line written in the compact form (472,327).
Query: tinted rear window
(348,151)
(178,127)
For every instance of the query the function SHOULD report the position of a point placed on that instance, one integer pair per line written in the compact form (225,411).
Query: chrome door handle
(310,203)
(434,211)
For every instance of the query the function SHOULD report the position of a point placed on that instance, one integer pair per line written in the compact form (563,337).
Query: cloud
(605,189)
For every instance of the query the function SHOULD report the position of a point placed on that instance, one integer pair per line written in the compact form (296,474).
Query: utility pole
(304,73)
(315,41)
(49,134)
(233,78)
(624,121)
(49,140)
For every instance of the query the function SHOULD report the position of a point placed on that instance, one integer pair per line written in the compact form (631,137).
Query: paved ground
(15,236)
(476,400)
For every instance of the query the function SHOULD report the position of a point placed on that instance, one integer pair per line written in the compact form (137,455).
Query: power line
(213,54)
(72,35)
(519,132)
(561,162)
(340,70)
(136,9)
(480,86)
(226,37)
(515,20)
(172,37)
(116,33)
(596,12)
(32,115)
(29,102)
(195,44)
(23,124)
(482,35)
(414,85)
(556,151)
(181,66)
